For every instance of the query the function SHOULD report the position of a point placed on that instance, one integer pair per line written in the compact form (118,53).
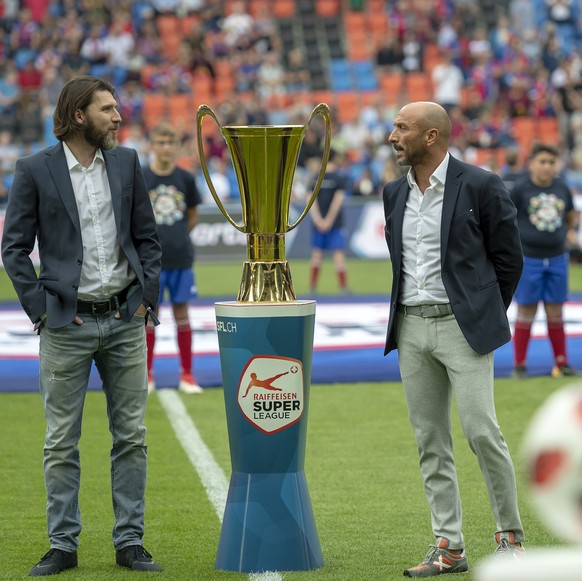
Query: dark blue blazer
(481,256)
(41,204)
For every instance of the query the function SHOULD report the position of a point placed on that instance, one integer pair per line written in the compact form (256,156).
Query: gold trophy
(264,159)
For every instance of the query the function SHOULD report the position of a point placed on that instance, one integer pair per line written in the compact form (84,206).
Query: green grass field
(364,277)
(361,468)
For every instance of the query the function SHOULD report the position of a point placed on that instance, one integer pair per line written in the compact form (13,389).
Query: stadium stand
(520,61)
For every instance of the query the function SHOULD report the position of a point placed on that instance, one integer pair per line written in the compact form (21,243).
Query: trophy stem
(265,247)
(266,282)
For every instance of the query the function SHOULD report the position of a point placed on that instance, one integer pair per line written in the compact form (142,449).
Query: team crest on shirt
(546,211)
(169,204)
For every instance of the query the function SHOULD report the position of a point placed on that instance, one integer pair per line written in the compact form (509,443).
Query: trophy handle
(323,110)
(204,110)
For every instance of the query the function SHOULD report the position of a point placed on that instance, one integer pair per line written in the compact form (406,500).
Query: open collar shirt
(421,241)
(105,269)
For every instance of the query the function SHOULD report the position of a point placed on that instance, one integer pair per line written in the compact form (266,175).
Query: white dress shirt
(421,241)
(105,270)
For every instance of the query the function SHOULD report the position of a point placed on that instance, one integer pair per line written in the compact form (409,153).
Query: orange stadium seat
(526,131)
(359,48)
(419,86)
(154,109)
(322,97)
(347,106)
(368,98)
(391,86)
(224,84)
(283,8)
(181,110)
(327,8)
(354,21)
(202,87)
(549,130)
(256,7)
(375,7)
(432,56)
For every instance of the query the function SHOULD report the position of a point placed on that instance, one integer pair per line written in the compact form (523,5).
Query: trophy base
(266,282)
(268,525)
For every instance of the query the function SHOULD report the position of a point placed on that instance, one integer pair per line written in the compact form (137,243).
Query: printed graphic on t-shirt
(169,204)
(546,212)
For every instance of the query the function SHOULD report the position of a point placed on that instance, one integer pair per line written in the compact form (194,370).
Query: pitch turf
(361,468)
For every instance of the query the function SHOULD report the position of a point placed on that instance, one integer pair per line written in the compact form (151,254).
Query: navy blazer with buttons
(42,205)
(481,256)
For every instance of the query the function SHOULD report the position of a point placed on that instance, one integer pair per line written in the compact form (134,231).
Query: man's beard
(99,139)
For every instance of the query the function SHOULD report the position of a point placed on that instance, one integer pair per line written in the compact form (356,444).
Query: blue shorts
(180,284)
(332,240)
(543,279)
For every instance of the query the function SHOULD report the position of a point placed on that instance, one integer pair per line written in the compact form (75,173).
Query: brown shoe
(439,560)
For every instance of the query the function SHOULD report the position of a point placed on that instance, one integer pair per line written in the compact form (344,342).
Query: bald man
(456,260)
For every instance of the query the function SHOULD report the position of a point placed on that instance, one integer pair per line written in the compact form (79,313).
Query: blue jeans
(66,355)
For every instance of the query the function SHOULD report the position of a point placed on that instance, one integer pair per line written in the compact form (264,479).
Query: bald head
(421,136)
(429,115)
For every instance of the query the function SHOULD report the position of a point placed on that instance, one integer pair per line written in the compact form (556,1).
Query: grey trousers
(436,362)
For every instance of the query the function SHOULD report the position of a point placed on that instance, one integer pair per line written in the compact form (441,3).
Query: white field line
(211,475)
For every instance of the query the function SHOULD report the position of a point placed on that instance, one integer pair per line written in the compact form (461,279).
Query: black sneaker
(54,562)
(136,558)
(568,371)
(519,372)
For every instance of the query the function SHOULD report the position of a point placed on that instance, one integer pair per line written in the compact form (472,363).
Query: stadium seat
(347,106)
(326,8)
(154,109)
(391,86)
(181,110)
(359,46)
(549,130)
(364,75)
(256,7)
(340,75)
(283,8)
(526,131)
(418,86)
(354,21)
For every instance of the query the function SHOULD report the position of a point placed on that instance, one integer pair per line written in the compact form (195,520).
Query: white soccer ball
(552,449)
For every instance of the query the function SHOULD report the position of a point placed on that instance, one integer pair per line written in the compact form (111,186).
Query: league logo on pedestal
(266,343)
(270,393)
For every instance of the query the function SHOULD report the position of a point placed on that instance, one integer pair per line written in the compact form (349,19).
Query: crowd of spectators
(497,62)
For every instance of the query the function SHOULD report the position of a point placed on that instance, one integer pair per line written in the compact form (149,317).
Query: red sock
(184,338)
(313,276)
(150,342)
(558,340)
(521,337)
(342,278)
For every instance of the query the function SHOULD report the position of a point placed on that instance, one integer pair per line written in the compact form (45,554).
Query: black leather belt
(425,311)
(103,306)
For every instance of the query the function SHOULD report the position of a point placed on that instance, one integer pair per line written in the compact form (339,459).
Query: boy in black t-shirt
(545,214)
(174,198)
